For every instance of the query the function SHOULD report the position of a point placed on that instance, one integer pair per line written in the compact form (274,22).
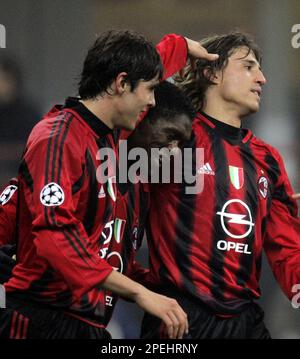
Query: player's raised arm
(174,51)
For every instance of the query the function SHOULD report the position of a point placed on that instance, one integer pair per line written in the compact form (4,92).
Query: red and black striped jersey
(209,245)
(66,215)
(61,215)
(124,241)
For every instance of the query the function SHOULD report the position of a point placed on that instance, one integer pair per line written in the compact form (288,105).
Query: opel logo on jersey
(241,217)
(52,195)
(263,186)
(7,194)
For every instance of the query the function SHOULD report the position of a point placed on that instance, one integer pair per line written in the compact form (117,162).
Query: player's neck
(101,109)
(224,113)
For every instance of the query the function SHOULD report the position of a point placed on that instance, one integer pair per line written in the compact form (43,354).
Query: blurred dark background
(45,46)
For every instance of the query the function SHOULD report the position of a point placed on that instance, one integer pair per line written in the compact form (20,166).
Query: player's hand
(296,196)
(197,51)
(167,309)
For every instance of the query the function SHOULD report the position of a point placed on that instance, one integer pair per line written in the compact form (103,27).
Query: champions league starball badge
(52,195)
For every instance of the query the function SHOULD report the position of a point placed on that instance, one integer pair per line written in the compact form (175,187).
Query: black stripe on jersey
(72,244)
(183,234)
(76,232)
(78,184)
(92,200)
(143,214)
(273,170)
(24,172)
(66,125)
(280,192)
(264,225)
(281,195)
(61,147)
(127,247)
(55,145)
(116,135)
(104,142)
(76,235)
(216,262)
(252,200)
(48,155)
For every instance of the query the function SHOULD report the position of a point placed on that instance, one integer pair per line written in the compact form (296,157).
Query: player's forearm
(167,309)
(122,286)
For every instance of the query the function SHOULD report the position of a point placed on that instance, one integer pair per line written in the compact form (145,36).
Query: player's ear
(121,83)
(211,75)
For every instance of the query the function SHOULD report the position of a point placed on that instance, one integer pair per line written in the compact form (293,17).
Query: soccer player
(58,287)
(168,124)
(206,248)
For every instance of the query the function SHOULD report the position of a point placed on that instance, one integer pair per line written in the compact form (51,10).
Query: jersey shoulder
(259,145)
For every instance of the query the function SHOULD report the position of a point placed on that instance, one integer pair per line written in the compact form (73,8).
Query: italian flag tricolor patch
(236,176)
(111,187)
(119,229)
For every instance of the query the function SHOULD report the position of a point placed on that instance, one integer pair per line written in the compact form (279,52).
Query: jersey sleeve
(8,212)
(173,53)
(282,238)
(50,167)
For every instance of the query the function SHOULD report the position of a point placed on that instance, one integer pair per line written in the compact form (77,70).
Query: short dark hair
(165,119)
(193,81)
(114,52)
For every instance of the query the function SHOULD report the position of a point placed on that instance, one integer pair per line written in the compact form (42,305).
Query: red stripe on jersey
(13,325)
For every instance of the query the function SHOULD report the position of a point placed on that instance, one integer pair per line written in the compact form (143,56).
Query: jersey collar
(99,127)
(230,133)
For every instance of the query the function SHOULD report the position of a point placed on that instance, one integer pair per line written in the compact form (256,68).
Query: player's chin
(253,108)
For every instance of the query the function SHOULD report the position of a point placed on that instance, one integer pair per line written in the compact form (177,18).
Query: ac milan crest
(263,186)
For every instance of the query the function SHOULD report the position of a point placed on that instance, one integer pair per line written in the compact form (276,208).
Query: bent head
(167,126)
(126,67)
(235,77)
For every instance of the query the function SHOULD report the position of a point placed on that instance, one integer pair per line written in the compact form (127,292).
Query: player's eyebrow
(154,85)
(251,62)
